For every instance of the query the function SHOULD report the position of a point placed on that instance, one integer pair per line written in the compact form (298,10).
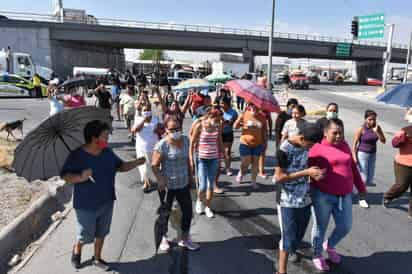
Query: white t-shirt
(291,128)
(146,138)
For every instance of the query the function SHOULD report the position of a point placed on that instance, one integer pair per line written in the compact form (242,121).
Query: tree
(152,54)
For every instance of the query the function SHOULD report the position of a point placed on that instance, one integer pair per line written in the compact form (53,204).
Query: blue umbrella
(400,95)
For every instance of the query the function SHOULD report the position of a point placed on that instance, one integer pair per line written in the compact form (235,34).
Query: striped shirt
(208,145)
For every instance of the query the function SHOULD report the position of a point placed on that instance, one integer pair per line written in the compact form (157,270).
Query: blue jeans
(207,172)
(366,164)
(325,205)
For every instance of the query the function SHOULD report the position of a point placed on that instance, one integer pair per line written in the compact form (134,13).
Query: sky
(322,17)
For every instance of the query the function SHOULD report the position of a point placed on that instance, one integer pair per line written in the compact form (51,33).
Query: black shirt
(103,98)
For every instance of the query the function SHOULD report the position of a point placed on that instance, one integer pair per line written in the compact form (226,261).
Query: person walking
(365,146)
(402,165)
(332,112)
(127,107)
(92,169)
(332,195)
(206,141)
(172,169)
(146,129)
(37,86)
(291,126)
(282,118)
(262,157)
(56,102)
(252,141)
(294,204)
(229,117)
(115,93)
(104,98)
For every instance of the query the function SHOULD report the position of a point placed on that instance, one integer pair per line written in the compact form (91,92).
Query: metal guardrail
(196,28)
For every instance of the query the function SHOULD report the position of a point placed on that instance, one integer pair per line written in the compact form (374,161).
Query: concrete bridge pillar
(249,57)
(369,69)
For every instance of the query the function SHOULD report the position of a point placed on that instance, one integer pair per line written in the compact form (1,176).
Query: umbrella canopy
(80,81)
(252,93)
(42,153)
(400,95)
(193,83)
(218,78)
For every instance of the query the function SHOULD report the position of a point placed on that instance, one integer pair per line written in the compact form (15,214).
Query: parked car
(20,82)
(281,78)
(299,80)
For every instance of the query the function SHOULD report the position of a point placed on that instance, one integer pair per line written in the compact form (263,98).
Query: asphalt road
(242,239)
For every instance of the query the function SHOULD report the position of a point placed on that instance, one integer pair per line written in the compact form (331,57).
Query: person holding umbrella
(171,167)
(92,169)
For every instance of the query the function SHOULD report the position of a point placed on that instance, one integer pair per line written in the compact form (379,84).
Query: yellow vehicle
(20,82)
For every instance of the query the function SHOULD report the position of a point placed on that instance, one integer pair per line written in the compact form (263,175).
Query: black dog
(11,126)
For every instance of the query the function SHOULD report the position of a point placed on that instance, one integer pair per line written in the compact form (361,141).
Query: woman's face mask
(146,114)
(331,115)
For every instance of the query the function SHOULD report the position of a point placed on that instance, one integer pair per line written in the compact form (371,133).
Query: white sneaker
(199,207)
(164,244)
(363,204)
(209,212)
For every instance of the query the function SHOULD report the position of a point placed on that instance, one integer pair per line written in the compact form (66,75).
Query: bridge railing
(189,27)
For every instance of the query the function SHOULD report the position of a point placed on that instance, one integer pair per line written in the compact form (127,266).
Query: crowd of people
(316,169)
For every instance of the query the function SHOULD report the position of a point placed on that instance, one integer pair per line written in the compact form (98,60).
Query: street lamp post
(269,72)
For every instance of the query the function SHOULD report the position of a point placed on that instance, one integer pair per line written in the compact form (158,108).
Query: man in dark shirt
(92,169)
(104,98)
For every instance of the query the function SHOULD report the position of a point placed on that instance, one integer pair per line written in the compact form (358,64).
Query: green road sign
(371,26)
(343,49)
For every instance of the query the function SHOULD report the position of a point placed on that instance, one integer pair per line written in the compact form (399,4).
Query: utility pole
(269,72)
(408,59)
(387,56)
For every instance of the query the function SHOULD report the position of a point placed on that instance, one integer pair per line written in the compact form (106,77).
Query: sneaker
(293,257)
(209,212)
(102,265)
(333,256)
(386,203)
(363,204)
(76,260)
(199,207)
(239,178)
(229,172)
(320,264)
(164,244)
(189,244)
(263,176)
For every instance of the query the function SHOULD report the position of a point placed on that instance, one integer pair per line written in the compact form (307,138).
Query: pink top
(404,143)
(75,101)
(208,145)
(341,171)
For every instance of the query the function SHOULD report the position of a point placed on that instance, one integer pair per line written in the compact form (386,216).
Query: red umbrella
(252,93)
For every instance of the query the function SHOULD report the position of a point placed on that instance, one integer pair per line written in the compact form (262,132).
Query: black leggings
(184,199)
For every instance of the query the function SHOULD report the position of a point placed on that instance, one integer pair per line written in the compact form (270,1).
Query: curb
(32,223)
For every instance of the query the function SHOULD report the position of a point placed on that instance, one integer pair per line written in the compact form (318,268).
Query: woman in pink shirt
(332,195)
(402,164)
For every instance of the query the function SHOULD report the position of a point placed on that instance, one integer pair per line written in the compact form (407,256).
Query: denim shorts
(246,150)
(93,224)
(293,223)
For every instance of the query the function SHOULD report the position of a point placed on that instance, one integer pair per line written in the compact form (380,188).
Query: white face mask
(146,114)
(176,135)
(331,115)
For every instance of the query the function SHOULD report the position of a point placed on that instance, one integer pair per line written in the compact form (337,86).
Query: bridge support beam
(369,69)
(66,55)
(249,57)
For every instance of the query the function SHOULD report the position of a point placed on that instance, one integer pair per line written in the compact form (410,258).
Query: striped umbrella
(252,93)
(193,83)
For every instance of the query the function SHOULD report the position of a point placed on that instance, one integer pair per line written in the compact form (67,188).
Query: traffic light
(355,27)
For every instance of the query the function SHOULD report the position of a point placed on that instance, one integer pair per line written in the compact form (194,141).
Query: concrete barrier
(32,223)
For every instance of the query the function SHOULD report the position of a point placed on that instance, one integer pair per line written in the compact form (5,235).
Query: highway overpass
(73,44)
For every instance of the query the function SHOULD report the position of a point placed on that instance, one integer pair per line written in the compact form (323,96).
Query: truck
(22,64)
(230,68)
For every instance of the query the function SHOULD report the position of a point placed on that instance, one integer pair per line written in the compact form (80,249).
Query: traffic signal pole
(408,59)
(269,72)
(387,57)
